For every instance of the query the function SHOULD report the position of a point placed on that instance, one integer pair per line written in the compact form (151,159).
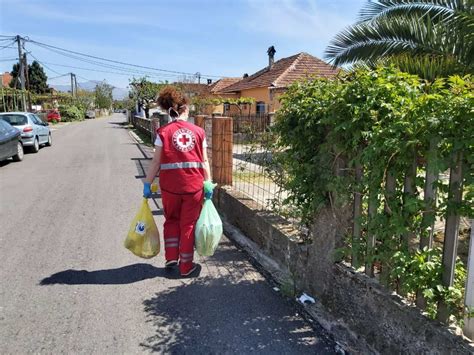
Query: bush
(70,113)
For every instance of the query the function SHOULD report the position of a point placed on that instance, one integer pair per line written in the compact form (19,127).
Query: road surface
(69,286)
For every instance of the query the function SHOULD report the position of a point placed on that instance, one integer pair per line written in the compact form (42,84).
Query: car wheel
(36,147)
(20,153)
(50,140)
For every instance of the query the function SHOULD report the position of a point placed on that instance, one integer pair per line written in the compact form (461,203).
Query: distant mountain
(117,93)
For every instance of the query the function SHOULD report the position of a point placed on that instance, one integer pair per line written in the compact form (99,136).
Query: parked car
(34,132)
(90,114)
(53,115)
(10,142)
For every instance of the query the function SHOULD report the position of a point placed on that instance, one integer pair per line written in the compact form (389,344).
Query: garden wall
(382,319)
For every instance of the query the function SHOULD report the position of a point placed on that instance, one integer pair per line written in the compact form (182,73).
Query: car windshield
(14,120)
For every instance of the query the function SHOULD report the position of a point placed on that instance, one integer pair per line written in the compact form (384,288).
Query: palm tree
(431,38)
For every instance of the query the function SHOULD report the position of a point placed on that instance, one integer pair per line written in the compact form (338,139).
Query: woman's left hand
(147,190)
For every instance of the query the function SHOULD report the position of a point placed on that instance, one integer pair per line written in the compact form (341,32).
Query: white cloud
(292,19)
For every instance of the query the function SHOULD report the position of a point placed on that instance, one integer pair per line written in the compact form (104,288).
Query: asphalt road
(69,286)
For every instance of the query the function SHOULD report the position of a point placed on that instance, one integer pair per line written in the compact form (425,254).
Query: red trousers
(181,214)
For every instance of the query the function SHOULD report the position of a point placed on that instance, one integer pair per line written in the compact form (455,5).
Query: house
(5,79)
(266,85)
(216,89)
(202,92)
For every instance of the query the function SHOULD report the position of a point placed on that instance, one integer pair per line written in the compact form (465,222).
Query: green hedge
(70,113)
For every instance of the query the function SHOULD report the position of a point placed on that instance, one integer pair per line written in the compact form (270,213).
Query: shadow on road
(232,310)
(124,275)
(216,316)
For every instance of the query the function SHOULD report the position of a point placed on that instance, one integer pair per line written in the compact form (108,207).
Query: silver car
(34,132)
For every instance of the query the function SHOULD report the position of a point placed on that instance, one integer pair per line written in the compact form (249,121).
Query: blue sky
(219,38)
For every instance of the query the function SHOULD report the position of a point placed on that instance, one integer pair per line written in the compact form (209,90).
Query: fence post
(222,145)
(409,191)
(390,187)
(451,232)
(469,301)
(369,264)
(428,221)
(155,124)
(357,215)
(200,120)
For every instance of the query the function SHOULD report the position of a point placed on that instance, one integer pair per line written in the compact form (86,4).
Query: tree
(36,75)
(145,92)
(103,95)
(37,78)
(431,38)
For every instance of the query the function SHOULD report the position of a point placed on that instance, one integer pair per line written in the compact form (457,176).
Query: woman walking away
(181,158)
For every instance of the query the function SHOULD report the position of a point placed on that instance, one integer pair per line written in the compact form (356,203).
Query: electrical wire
(8,46)
(59,76)
(54,71)
(118,62)
(97,70)
(115,67)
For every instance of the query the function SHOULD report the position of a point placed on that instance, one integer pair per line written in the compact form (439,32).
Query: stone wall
(383,320)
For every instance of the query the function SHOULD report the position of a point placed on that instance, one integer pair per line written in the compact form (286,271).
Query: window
(15,120)
(35,119)
(226,107)
(3,127)
(260,108)
(39,119)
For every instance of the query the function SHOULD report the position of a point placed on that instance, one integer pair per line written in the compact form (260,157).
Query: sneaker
(171,263)
(190,271)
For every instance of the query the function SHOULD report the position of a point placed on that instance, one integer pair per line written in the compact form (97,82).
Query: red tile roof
(284,72)
(6,78)
(223,83)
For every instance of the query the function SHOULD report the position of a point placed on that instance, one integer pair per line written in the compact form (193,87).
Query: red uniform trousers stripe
(181,214)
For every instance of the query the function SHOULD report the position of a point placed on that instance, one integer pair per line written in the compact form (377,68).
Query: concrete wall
(383,320)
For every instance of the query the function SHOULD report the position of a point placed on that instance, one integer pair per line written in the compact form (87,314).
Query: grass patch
(144,137)
(249,176)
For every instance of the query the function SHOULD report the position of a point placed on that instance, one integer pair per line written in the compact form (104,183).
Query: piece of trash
(276,289)
(304,298)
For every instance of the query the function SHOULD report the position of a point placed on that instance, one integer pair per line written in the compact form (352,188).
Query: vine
(384,121)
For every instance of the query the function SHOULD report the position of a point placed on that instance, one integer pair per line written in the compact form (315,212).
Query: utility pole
(198,74)
(72,84)
(75,84)
(22,71)
(25,65)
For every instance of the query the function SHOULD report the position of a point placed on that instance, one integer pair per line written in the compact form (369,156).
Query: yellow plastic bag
(143,238)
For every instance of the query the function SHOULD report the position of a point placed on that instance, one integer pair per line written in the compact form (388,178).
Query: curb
(318,318)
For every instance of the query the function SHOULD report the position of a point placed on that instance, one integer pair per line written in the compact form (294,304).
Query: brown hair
(173,101)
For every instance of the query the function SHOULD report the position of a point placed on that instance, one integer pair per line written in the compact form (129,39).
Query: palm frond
(426,37)
(433,8)
(360,41)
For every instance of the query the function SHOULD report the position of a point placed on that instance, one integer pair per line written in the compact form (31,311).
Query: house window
(226,107)
(260,108)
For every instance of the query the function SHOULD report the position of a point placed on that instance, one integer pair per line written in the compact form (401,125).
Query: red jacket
(182,157)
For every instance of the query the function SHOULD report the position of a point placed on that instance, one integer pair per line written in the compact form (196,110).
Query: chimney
(271,56)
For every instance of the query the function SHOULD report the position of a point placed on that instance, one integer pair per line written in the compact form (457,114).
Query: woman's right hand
(146,190)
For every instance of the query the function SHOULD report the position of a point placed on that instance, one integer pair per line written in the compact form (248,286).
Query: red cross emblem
(184,140)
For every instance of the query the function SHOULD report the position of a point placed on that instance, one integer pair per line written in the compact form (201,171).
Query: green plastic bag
(143,238)
(208,231)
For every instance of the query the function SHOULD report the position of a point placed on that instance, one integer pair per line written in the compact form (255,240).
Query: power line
(54,71)
(110,66)
(59,76)
(100,71)
(8,45)
(116,61)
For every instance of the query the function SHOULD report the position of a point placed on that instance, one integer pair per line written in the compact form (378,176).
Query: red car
(53,115)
